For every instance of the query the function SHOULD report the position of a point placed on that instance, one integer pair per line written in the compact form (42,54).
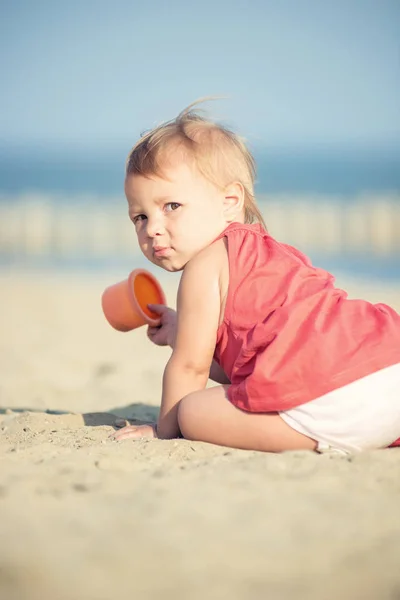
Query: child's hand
(135,432)
(164,334)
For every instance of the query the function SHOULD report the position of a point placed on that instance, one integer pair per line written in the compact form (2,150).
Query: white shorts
(362,415)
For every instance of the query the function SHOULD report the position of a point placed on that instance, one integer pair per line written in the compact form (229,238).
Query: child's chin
(171,268)
(168,266)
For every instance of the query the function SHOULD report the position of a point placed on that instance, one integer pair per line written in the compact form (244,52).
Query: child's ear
(233,201)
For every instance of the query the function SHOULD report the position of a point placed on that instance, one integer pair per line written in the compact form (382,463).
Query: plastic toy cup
(125,303)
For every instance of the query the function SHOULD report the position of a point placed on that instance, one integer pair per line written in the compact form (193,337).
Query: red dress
(289,335)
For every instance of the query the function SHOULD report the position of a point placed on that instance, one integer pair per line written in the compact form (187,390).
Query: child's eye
(138,218)
(172,206)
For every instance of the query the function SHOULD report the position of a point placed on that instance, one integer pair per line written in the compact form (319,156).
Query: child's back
(289,336)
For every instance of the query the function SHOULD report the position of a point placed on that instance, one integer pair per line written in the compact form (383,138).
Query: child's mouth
(161,252)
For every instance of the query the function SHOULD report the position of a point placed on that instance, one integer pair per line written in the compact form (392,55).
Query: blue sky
(294,72)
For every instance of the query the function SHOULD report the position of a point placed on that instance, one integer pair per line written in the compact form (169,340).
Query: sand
(85,517)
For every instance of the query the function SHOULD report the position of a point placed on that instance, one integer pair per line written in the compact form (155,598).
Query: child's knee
(187,409)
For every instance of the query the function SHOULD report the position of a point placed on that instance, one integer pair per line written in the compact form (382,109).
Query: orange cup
(125,303)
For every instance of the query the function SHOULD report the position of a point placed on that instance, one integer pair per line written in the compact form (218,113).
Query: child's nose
(154,227)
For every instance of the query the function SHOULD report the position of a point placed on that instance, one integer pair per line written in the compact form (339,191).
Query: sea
(334,172)
(341,175)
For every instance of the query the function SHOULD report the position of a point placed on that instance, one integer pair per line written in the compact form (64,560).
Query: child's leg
(209,416)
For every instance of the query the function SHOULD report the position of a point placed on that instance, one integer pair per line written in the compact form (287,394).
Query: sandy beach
(85,517)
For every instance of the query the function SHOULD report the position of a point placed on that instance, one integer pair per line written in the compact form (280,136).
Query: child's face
(175,217)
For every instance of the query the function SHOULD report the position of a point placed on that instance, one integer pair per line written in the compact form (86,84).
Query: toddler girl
(300,365)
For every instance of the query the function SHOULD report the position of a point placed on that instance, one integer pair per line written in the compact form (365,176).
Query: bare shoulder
(207,274)
(211,260)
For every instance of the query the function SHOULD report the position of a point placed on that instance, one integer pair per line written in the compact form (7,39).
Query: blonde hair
(220,155)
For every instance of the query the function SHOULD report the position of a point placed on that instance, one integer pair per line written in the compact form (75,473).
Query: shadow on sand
(133,414)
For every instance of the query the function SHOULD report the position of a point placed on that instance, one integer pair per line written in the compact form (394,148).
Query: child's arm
(188,368)
(164,335)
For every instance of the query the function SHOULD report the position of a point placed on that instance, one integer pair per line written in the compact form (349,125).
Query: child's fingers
(152,333)
(134,432)
(160,309)
(159,335)
(127,433)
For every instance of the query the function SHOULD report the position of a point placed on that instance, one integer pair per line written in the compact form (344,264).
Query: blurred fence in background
(35,227)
